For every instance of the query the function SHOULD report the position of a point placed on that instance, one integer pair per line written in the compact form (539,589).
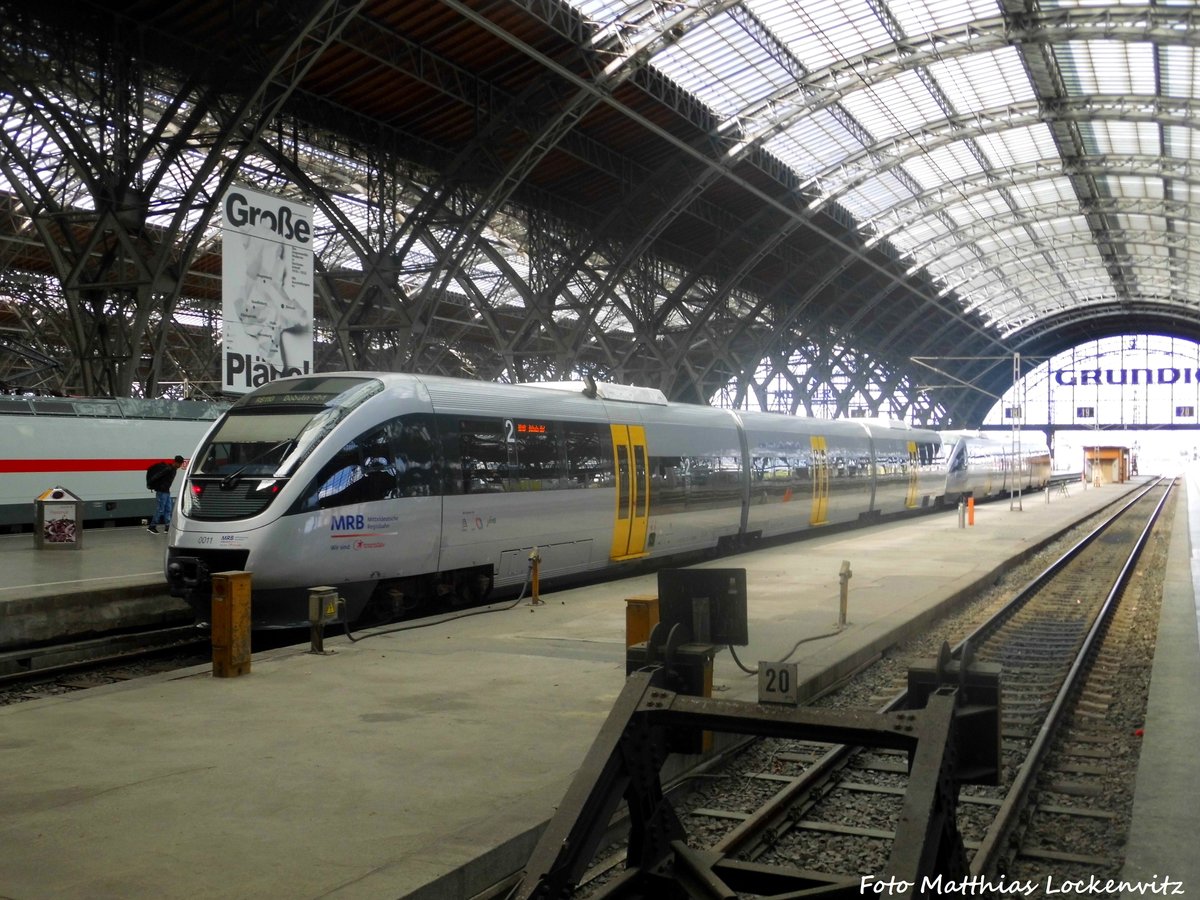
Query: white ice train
(406,490)
(98,449)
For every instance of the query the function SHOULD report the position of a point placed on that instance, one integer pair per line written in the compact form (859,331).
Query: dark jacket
(160,477)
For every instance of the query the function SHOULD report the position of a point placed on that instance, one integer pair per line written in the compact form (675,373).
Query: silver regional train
(98,449)
(404,491)
(985,465)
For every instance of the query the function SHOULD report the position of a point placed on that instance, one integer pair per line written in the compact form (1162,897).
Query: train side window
(534,458)
(666,485)
(415,447)
(588,449)
(483,446)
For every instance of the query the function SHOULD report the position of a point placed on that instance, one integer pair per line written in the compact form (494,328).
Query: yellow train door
(632,469)
(820,484)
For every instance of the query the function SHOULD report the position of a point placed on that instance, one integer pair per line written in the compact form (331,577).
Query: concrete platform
(1166,816)
(422,763)
(115,575)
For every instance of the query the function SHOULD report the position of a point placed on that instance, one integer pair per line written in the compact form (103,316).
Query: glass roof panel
(893,107)
(1181,143)
(1043,192)
(1020,144)
(943,165)
(722,65)
(979,207)
(993,192)
(921,233)
(983,80)
(823,31)
(810,144)
(1179,72)
(920,16)
(869,198)
(1104,137)
(1078,61)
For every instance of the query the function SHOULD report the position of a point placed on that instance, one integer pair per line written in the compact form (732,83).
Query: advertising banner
(267,289)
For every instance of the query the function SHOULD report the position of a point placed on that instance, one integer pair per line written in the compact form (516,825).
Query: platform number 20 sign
(777,683)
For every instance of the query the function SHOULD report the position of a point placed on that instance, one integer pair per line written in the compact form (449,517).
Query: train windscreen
(270,432)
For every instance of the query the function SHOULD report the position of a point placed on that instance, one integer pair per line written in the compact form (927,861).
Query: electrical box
(709,603)
(322,604)
(641,615)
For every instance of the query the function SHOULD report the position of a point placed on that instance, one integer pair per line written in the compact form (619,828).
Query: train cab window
(250,445)
(958,458)
(362,471)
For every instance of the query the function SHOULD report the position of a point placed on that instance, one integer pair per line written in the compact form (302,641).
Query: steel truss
(117,166)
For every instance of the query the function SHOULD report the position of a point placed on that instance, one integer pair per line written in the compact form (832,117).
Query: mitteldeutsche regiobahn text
(1050,886)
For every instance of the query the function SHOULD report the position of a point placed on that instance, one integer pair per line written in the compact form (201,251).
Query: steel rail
(17,666)
(768,819)
(1003,827)
(1024,594)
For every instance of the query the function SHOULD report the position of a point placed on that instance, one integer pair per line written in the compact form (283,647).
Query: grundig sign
(1083,377)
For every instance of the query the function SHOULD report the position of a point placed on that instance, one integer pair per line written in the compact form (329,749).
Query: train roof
(573,398)
(606,391)
(111,408)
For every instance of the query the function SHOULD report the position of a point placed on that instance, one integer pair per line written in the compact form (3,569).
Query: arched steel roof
(910,178)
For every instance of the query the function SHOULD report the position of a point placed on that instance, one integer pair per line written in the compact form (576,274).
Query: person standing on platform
(159,478)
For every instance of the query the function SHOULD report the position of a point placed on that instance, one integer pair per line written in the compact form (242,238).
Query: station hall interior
(893,210)
(884,217)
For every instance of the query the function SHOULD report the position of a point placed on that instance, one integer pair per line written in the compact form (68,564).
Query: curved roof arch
(1059,332)
(1056,333)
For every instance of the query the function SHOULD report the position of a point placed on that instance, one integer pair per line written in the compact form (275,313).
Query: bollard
(844,577)
(970,510)
(323,603)
(231,624)
(962,513)
(535,563)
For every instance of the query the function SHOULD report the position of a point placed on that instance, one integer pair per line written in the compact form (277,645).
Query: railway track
(50,660)
(77,664)
(832,812)
(34,672)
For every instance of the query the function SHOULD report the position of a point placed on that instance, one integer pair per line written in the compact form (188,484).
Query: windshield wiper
(230,481)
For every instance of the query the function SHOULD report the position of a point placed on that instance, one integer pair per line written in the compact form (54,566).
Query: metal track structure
(627,759)
(51,660)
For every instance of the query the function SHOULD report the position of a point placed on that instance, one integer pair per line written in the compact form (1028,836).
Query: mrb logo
(348,523)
